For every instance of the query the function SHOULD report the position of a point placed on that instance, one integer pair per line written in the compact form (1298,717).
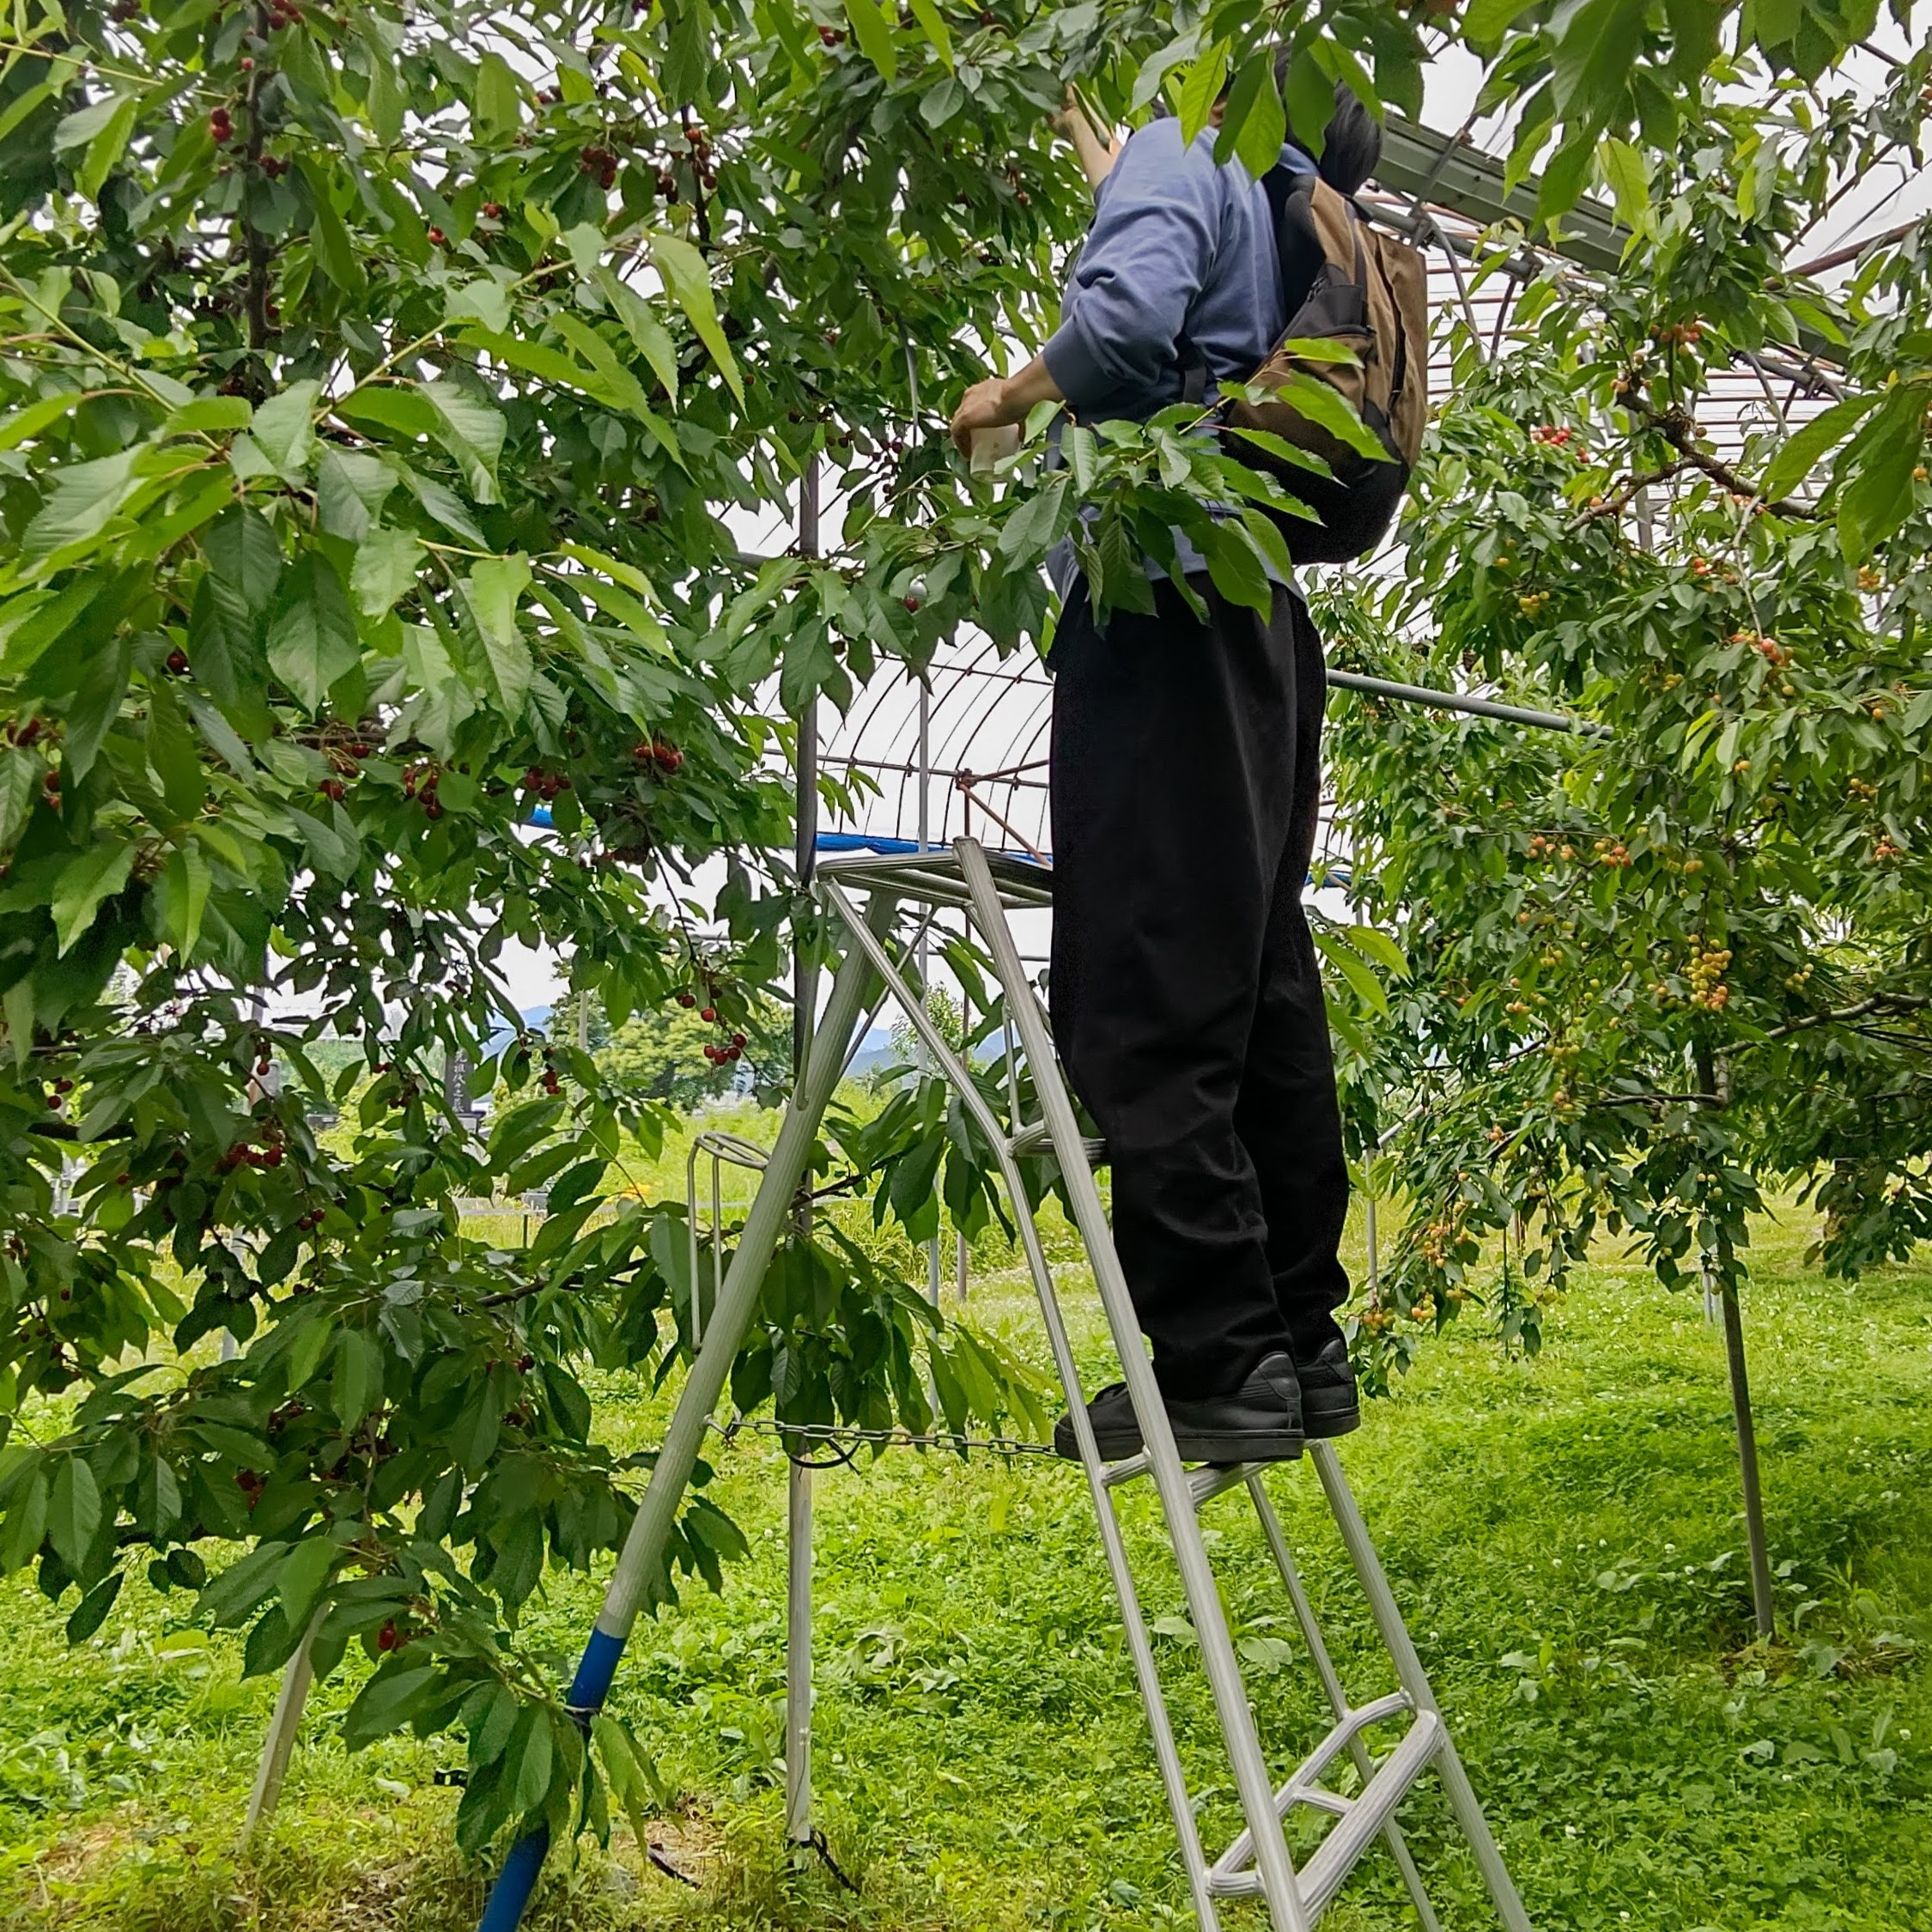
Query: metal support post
(634,1581)
(280,1744)
(797,1655)
(1762,1601)
(798,1514)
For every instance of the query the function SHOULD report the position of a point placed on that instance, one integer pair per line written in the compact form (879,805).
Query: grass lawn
(1562,1534)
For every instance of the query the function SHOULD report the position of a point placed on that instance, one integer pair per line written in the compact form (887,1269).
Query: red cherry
(687,1000)
(710,1014)
(910,603)
(738,1041)
(178,662)
(493,210)
(437,237)
(388,1638)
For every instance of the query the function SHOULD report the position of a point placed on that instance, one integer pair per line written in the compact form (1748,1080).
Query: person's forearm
(1095,156)
(1026,387)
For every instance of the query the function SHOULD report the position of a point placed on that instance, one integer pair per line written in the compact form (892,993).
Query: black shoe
(1259,1422)
(1329,1405)
(1115,1429)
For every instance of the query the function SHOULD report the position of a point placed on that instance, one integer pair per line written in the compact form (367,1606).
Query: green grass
(1562,1534)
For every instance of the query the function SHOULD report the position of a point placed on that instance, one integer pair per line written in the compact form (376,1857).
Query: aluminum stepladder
(862,896)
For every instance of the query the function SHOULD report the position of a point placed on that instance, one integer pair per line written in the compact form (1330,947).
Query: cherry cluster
(419,782)
(600,164)
(657,751)
(545,784)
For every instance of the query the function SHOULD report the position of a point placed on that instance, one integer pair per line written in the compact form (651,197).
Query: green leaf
(472,431)
(44,619)
(311,633)
(1201,89)
(1873,476)
(1235,569)
(107,148)
(690,282)
(386,1701)
(1487,20)
(497,108)
(641,324)
(1354,969)
(1800,453)
(357,1383)
(335,254)
(27,1520)
(1311,102)
(483,298)
(1040,521)
(84,497)
(932,24)
(351,486)
(24,424)
(91,1611)
(1380,948)
(209,416)
(1629,176)
(74,1512)
(1255,125)
(187,876)
(1327,407)
(284,431)
(1594,44)
(493,591)
(385,567)
(872,27)
(83,883)
(300,1579)
(244,557)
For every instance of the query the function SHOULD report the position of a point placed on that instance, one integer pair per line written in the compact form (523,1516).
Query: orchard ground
(1562,1532)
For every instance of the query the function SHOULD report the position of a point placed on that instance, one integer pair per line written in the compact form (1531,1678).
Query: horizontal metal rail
(1457,701)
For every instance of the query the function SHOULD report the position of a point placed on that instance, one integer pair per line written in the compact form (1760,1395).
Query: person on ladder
(1185,995)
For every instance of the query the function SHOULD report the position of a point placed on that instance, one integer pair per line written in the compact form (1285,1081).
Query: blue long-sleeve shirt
(1179,245)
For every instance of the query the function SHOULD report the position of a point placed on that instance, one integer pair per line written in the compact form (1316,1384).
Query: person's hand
(1068,115)
(986,405)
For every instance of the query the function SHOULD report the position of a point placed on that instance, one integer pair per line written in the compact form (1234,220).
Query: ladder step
(1357,1820)
(1204,1484)
(935,877)
(1035,1140)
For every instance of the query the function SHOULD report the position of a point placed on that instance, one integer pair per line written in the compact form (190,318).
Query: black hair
(1352,142)
(1350,145)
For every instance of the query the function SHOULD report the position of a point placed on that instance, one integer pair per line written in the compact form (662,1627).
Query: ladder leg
(1252,1783)
(1411,1675)
(1139,1647)
(650,1529)
(1337,1694)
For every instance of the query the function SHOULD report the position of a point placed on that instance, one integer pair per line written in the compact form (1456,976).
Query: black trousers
(1187,1002)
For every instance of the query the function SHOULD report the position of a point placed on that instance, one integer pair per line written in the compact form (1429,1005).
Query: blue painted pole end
(509,1898)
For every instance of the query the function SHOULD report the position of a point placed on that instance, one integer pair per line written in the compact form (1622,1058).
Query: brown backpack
(1368,291)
